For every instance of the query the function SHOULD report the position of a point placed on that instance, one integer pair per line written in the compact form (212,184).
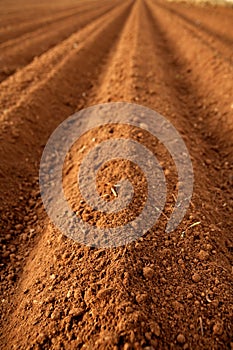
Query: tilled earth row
(162,291)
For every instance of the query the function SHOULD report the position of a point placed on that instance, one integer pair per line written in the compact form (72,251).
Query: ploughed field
(163,291)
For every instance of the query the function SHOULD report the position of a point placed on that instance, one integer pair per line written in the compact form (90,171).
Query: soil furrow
(215,162)
(116,24)
(163,291)
(17,30)
(165,74)
(31,116)
(35,43)
(22,13)
(17,88)
(220,42)
(211,99)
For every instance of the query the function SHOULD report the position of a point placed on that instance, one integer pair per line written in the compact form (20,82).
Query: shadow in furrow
(199,26)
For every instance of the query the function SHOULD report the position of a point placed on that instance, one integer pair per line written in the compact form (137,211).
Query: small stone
(208,161)
(76,312)
(203,255)
(140,298)
(56,315)
(181,338)
(69,293)
(128,309)
(209,247)
(189,295)
(103,293)
(143,126)
(148,272)
(218,328)
(196,277)
(19,227)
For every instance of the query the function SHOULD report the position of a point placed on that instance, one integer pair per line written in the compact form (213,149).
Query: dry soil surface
(164,291)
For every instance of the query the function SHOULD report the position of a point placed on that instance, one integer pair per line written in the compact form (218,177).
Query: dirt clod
(218,328)
(196,277)
(180,338)
(148,272)
(203,255)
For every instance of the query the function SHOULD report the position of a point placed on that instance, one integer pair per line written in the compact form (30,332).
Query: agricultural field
(163,290)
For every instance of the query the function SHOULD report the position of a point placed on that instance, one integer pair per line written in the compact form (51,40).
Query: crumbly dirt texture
(163,291)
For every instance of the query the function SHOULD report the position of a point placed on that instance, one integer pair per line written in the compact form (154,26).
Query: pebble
(143,126)
(196,277)
(209,247)
(203,255)
(76,312)
(19,227)
(148,272)
(181,338)
(189,295)
(103,293)
(56,315)
(140,298)
(129,309)
(218,328)
(208,161)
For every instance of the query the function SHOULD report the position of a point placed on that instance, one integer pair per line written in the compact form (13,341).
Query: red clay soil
(164,291)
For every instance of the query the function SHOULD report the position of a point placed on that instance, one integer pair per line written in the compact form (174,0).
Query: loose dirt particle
(76,312)
(180,338)
(203,255)
(196,277)
(148,272)
(189,295)
(155,328)
(141,297)
(218,328)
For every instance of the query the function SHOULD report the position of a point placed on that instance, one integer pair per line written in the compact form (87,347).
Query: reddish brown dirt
(164,291)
